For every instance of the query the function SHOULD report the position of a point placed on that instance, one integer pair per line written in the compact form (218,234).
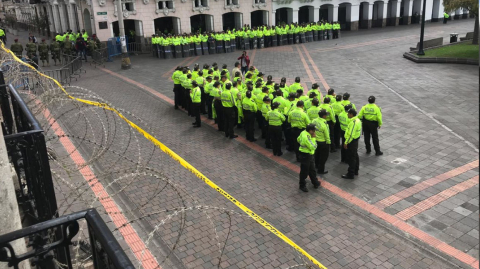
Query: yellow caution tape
(185,164)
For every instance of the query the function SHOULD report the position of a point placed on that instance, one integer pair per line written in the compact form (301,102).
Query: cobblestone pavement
(428,177)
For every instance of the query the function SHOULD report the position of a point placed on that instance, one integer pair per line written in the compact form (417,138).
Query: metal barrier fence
(99,56)
(66,73)
(106,253)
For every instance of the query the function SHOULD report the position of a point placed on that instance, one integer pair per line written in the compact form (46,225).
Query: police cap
(346,96)
(292,95)
(194,84)
(338,98)
(300,103)
(224,66)
(322,113)
(348,107)
(275,105)
(371,99)
(311,127)
(331,91)
(312,95)
(297,79)
(228,86)
(266,99)
(314,86)
(326,100)
(284,79)
(352,111)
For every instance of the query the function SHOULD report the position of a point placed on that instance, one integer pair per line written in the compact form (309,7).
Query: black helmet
(284,79)
(371,99)
(314,86)
(312,95)
(276,86)
(248,94)
(331,91)
(297,79)
(338,98)
(352,111)
(322,113)
(292,95)
(346,96)
(348,107)
(269,77)
(299,103)
(228,86)
(275,105)
(266,99)
(194,84)
(326,100)
(224,66)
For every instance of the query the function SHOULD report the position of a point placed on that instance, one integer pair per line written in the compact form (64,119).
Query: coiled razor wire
(193,228)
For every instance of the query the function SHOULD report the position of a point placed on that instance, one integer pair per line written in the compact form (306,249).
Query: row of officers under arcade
(187,45)
(312,126)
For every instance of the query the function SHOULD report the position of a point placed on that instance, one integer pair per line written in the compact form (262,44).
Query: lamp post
(125,59)
(422,30)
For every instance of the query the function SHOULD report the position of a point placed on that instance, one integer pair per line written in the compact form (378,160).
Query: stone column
(333,13)
(64,21)
(396,12)
(384,10)
(316,14)
(407,11)
(71,16)
(295,16)
(353,13)
(274,14)
(56,18)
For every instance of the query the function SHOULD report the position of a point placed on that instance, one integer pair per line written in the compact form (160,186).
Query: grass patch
(461,50)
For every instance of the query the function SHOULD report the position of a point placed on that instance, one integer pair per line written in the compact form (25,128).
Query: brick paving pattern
(423,140)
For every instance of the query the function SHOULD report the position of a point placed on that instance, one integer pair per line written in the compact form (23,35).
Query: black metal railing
(104,249)
(27,150)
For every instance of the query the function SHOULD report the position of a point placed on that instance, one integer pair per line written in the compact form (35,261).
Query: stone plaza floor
(414,207)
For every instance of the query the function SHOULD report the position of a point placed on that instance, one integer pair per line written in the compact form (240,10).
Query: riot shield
(290,39)
(338,33)
(254,43)
(160,52)
(178,51)
(211,47)
(228,45)
(274,40)
(198,49)
(329,34)
(309,36)
(155,50)
(284,40)
(262,42)
(192,49)
(219,46)
(233,47)
(246,43)
(302,38)
(204,48)
(185,50)
(315,35)
(167,50)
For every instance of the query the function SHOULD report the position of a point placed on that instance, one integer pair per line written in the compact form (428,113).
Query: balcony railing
(105,251)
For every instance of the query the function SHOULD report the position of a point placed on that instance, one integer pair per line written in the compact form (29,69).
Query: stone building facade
(146,17)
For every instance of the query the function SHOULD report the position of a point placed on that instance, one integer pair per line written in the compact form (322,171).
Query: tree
(471,6)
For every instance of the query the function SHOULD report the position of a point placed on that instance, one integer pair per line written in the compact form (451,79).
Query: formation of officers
(67,44)
(312,125)
(169,46)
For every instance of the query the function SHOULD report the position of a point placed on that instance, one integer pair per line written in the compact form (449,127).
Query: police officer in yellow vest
(229,107)
(322,136)
(371,115)
(308,145)
(352,135)
(196,96)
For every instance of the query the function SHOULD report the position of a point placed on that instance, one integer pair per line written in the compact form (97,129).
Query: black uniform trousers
(195,107)
(331,126)
(286,132)
(370,128)
(249,118)
(307,169)
(229,120)
(181,97)
(352,158)
(176,92)
(219,110)
(203,102)
(261,123)
(295,133)
(336,133)
(343,151)
(209,106)
(275,133)
(321,155)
